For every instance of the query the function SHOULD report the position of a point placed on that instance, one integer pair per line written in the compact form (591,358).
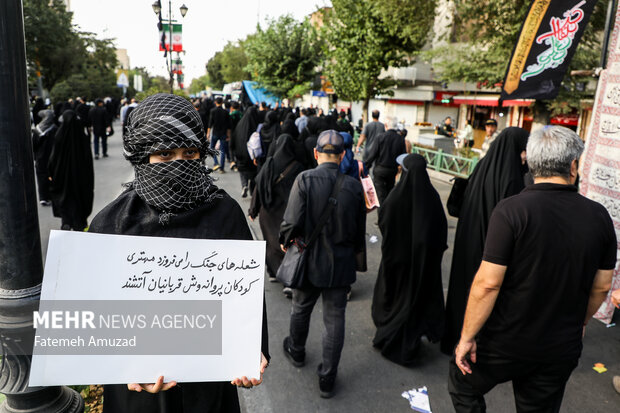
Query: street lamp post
(21,266)
(157,9)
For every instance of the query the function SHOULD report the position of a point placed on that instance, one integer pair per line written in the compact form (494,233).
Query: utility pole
(21,266)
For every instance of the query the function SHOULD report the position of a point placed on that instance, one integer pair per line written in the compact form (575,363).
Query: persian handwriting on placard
(213,261)
(614,95)
(186,285)
(612,205)
(611,125)
(606,177)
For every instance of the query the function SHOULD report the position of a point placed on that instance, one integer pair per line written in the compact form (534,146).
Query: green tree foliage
(234,61)
(52,45)
(71,63)
(486,32)
(214,71)
(283,57)
(199,84)
(364,37)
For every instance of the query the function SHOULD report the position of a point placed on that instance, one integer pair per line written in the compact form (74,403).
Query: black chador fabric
(42,144)
(309,136)
(270,130)
(408,297)
(165,122)
(238,145)
(288,126)
(497,176)
(273,185)
(71,169)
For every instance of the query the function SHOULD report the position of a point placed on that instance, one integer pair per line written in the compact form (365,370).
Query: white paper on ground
(418,399)
(84,266)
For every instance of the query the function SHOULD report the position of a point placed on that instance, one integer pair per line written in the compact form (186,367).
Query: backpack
(255,146)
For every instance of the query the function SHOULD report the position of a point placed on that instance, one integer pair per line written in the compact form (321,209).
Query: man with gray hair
(383,153)
(547,267)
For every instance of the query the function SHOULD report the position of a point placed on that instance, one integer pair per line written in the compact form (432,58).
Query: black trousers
(538,387)
(384,179)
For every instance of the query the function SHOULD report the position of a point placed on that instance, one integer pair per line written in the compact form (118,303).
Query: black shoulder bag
(292,271)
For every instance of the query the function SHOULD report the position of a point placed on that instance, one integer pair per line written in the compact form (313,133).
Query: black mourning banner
(548,39)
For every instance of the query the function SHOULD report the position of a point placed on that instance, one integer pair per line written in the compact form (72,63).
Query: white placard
(85,266)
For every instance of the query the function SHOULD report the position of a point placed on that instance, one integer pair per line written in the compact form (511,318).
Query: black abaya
(273,185)
(408,297)
(497,176)
(71,169)
(220,219)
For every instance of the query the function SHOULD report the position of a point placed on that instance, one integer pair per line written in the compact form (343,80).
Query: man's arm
(361,140)
(482,296)
(598,293)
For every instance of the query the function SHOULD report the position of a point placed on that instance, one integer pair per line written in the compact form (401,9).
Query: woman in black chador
(238,147)
(408,297)
(498,175)
(173,196)
(273,185)
(71,171)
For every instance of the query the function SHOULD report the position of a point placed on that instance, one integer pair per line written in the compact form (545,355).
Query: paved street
(366,381)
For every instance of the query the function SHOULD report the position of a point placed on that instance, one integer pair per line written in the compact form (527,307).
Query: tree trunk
(365,110)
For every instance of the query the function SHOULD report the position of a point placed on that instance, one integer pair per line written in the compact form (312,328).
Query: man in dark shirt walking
(546,268)
(331,261)
(384,152)
(100,123)
(219,130)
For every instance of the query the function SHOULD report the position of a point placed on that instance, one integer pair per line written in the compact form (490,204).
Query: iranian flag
(177,38)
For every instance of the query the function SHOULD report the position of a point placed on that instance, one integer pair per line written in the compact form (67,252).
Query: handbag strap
(286,171)
(331,204)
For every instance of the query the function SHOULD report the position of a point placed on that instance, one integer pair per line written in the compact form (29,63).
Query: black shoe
(272,279)
(244,192)
(296,359)
(96,156)
(105,155)
(45,202)
(326,386)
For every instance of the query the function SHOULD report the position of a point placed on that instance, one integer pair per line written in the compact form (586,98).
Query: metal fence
(447,163)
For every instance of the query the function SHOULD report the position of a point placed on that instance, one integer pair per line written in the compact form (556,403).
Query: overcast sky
(207,27)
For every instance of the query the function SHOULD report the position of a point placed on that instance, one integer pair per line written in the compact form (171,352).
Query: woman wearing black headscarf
(273,185)
(408,297)
(288,126)
(269,132)
(497,176)
(173,196)
(310,135)
(38,106)
(238,147)
(72,175)
(42,144)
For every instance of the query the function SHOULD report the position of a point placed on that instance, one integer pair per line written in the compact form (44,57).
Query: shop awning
(489,100)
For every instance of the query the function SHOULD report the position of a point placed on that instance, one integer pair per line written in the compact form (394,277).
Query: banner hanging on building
(600,174)
(177,37)
(547,42)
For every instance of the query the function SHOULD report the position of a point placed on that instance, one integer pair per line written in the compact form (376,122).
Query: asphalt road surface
(366,381)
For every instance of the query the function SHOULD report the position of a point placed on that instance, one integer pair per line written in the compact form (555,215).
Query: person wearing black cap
(490,126)
(331,260)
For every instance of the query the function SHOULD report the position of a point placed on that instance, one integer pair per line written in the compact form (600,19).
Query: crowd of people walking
(532,259)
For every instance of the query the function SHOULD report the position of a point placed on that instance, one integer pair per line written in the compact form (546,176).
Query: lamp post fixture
(157,9)
(21,266)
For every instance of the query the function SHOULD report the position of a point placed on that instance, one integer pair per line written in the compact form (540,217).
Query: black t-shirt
(219,121)
(553,241)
